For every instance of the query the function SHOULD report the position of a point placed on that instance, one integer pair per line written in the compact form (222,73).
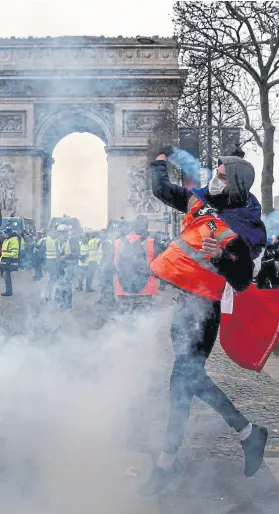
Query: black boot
(159,479)
(6,294)
(253,448)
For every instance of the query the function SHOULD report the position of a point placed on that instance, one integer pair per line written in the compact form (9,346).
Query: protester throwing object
(222,235)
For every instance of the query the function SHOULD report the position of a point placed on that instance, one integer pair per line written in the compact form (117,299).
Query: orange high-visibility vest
(183,264)
(151,287)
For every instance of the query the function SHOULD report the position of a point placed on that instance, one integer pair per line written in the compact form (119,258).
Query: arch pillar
(47,163)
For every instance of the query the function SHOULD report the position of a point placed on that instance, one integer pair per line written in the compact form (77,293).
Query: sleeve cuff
(219,260)
(156,164)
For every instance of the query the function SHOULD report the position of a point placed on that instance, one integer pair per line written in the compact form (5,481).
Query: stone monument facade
(51,87)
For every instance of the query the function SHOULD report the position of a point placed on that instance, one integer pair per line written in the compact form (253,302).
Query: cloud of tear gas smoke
(66,403)
(73,401)
(271,222)
(193,174)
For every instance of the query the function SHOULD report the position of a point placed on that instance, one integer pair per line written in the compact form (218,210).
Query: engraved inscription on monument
(136,122)
(13,123)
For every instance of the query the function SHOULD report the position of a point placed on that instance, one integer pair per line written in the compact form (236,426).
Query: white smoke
(65,408)
(271,222)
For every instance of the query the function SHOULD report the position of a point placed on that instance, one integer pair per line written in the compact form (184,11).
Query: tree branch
(222,52)
(248,124)
(272,84)
(236,13)
(275,68)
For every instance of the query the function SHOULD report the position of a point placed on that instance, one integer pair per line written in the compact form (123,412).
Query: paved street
(213,479)
(83,396)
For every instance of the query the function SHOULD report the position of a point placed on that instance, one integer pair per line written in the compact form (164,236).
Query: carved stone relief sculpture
(7,189)
(140,122)
(13,123)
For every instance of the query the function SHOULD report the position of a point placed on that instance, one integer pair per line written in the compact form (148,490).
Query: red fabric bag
(250,332)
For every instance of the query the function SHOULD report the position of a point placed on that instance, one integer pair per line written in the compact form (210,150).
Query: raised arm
(170,194)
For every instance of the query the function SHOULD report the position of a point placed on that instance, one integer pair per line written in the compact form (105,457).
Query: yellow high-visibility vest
(51,248)
(39,243)
(84,252)
(66,250)
(93,249)
(10,248)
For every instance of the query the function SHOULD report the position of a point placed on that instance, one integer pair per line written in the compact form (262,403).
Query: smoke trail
(271,222)
(193,174)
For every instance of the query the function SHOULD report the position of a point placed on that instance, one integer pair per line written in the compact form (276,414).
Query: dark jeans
(194,331)
(8,282)
(38,269)
(106,282)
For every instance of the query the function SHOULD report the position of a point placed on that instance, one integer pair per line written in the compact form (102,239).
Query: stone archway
(57,124)
(50,87)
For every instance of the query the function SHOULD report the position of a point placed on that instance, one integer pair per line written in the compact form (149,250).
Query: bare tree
(193,109)
(242,41)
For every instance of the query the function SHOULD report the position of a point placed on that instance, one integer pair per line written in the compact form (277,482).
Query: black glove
(167,150)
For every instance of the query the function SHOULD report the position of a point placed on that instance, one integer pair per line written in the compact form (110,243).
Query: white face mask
(216,186)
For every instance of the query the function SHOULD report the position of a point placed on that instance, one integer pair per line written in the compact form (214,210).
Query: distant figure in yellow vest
(83,263)
(22,252)
(68,254)
(51,245)
(39,254)
(93,258)
(9,258)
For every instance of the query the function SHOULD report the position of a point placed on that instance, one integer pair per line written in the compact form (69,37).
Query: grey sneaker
(253,448)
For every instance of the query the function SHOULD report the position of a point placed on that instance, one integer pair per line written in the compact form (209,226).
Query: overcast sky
(89,17)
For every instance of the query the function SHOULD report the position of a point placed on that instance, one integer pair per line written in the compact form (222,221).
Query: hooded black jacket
(236,263)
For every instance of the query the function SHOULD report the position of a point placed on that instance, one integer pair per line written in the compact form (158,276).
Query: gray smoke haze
(65,410)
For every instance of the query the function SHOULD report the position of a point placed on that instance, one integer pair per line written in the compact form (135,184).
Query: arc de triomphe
(51,87)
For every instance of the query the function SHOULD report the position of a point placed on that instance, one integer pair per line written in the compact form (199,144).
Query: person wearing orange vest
(134,285)
(221,236)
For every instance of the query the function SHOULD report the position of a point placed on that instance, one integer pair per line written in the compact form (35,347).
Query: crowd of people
(72,261)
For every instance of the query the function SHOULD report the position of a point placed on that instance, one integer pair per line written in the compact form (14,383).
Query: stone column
(120,161)
(26,164)
(47,163)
